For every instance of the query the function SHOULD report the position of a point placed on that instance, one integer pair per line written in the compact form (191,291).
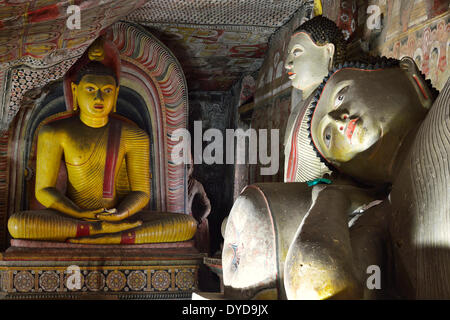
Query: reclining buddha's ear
(74,96)
(423,91)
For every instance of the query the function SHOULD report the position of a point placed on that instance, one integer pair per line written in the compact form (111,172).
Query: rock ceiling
(216,41)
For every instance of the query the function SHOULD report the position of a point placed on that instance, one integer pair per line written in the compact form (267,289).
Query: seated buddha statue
(108,176)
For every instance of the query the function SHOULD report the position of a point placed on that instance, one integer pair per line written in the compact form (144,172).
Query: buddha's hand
(111,215)
(90,215)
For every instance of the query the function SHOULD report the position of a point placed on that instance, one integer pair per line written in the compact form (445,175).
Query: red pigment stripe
(69,115)
(420,87)
(351,129)
(44,14)
(128,237)
(292,163)
(112,152)
(82,230)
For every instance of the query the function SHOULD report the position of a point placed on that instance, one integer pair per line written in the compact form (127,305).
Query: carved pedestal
(43,270)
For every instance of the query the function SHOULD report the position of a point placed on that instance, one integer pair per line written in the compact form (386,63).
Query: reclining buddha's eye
(327,136)
(340,98)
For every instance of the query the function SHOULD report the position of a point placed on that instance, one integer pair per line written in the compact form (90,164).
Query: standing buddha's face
(307,63)
(96,95)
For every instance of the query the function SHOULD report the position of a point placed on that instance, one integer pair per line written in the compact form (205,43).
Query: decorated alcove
(152,95)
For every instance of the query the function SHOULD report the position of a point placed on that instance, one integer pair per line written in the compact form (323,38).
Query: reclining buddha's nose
(288,65)
(340,114)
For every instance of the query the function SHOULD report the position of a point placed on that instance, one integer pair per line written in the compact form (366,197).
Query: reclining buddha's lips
(98,106)
(350,129)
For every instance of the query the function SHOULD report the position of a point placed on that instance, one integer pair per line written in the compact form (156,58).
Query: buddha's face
(362,118)
(96,95)
(348,125)
(307,63)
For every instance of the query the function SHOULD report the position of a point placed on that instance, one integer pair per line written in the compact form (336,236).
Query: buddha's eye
(90,89)
(341,96)
(339,99)
(107,90)
(297,52)
(327,136)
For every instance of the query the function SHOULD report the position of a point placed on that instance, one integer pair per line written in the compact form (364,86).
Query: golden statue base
(46,270)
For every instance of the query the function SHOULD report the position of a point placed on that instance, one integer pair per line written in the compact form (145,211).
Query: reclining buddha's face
(362,118)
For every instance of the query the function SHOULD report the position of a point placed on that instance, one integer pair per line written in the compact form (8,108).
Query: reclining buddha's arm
(321,263)
(49,154)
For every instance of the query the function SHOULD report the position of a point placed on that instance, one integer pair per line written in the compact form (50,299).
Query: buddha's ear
(74,96)
(115,99)
(329,47)
(423,91)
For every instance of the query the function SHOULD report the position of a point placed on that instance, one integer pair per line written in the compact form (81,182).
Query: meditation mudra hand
(108,182)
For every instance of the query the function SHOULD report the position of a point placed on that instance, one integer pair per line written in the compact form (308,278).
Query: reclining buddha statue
(361,122)
(108,176)
(345,145)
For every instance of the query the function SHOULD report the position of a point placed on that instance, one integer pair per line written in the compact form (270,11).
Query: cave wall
(215,110)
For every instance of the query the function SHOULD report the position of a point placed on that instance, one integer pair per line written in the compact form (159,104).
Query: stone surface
(117,273)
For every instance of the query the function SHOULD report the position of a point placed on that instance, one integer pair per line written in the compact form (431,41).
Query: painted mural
(214,59)
(216,41)
(37,28)
(419,30)
(35,34)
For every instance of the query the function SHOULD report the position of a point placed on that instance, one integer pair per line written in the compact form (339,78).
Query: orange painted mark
(351,129)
